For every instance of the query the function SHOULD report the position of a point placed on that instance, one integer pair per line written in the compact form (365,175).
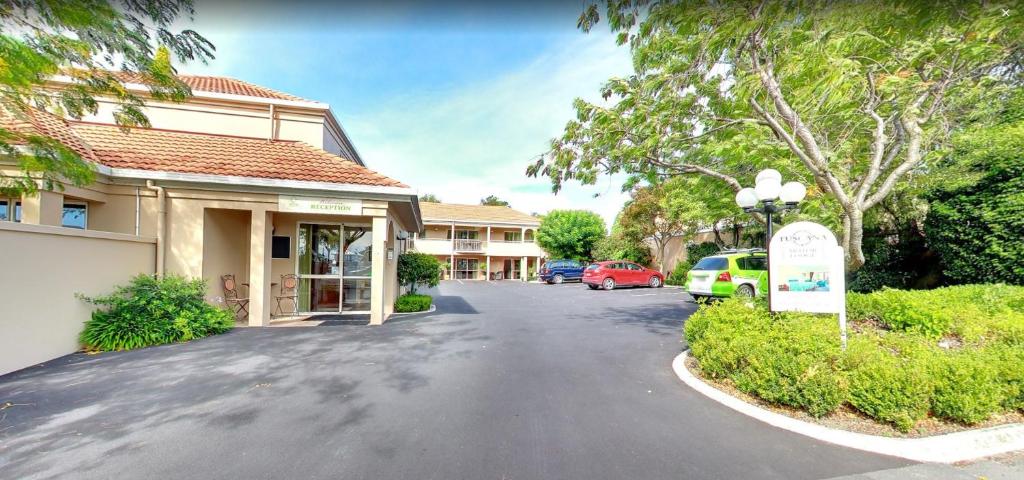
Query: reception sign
(335,206)
(807,270)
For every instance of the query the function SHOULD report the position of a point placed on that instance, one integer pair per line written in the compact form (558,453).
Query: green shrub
(416,269)
(1007,361)
(678,275)
(976,313)
(888,387)
(411,302)
(153,311)
(897,374)
(967,387)
(720,335)
(977,228)
(795,364)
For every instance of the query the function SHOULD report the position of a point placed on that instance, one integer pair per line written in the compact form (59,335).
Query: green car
(742,273)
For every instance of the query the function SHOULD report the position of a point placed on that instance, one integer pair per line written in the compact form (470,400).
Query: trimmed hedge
(412,302)
(953,353)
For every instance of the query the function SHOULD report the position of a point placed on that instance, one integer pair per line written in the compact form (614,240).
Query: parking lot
(505,380)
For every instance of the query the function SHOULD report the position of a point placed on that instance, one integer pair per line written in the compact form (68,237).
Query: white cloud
(475,140)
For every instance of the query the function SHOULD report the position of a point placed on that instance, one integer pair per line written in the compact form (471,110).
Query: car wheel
(558,279)
(745,291)
(654,282)
(608,284)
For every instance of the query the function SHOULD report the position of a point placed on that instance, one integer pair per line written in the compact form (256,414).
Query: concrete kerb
(947,448)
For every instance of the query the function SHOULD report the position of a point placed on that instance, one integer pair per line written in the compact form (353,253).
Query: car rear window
(593,266)
(712,263)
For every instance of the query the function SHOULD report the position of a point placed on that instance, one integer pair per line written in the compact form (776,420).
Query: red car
(615,273)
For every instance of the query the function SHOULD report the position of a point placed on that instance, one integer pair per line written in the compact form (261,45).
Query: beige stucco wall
(225,249)
(210,233)
(675,251)
(234,118)
(44,268)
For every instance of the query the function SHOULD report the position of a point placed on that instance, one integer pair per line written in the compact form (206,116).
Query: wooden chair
(234,301)
(289,291)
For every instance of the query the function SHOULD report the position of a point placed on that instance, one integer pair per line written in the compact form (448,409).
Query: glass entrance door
(334,268)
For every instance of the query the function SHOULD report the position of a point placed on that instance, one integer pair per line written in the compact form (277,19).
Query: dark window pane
(4,215)
(757,263)
(712,263)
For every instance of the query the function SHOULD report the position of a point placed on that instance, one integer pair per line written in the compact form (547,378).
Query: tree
(617,247)
(854,97)
(493,201)
(84,40)
(570,234)
(662,212)
(418,269)
(429,198)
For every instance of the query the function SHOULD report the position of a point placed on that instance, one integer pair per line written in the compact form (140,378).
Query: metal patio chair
(234,301)
(289,291)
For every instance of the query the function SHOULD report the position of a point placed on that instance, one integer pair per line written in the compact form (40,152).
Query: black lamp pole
(768,208)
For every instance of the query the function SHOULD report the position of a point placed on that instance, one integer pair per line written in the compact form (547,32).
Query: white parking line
(645,294)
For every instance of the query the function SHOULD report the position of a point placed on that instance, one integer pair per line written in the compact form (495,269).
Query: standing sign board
(807,271)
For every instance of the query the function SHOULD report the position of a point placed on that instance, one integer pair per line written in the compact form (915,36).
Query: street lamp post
(774,198)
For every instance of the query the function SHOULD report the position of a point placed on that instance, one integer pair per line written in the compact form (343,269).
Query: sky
(454,99)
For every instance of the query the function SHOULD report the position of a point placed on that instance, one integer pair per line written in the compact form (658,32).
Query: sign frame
(319,205)
(807,272)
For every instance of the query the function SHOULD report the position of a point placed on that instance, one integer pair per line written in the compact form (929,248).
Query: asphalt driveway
(505,381)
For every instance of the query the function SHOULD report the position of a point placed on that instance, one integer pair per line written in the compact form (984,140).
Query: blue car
(558,271)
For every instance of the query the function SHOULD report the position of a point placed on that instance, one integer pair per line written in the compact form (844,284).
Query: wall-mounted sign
(807,270)
(335,206)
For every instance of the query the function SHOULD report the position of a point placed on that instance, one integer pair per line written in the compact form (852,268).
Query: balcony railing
(463,245)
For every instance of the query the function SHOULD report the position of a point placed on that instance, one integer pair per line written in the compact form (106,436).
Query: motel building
(480,242)
(240,182)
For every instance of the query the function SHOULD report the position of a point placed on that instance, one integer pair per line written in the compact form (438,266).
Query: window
(752,263)
(513,236)
(634,267)
(75,215)
(712,263)
(464,235)
(4,215)
(466,268)
(17,211)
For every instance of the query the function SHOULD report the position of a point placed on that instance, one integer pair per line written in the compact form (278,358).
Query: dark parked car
(558,271)
(616,273)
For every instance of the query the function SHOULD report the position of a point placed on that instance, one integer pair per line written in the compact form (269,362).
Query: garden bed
(918,363)
(848,419)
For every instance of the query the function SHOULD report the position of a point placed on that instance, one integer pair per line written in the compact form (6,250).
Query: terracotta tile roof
(198,153)
(205,83)
(41,123)
(474,213)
